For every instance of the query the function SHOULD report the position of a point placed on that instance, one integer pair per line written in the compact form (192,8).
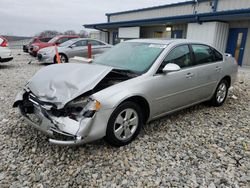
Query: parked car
(34,48)
(26,47)
(122,89)
(3,42)
(72,48)
(5,52)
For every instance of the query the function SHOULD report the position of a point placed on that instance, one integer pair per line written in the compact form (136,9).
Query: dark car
(35,40)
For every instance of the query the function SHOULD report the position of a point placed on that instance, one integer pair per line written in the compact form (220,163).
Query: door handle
(189,75)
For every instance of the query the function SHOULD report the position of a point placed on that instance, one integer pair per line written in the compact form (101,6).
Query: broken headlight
(91,107)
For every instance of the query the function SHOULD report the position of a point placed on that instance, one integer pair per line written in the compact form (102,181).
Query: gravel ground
(198,147)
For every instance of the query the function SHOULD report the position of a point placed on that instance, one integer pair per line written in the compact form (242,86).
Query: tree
(83,34)
(70,32)
(48,33)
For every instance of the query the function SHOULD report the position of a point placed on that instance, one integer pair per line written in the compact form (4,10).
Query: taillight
(4,44)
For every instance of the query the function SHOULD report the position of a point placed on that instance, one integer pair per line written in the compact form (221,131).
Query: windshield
(133,56)
(68,43)
(53,40)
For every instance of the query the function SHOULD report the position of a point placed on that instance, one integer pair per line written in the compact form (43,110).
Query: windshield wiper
(127,72)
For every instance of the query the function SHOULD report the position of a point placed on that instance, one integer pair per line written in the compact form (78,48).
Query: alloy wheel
(126,124)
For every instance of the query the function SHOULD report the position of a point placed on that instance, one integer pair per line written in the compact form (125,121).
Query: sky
(29,17)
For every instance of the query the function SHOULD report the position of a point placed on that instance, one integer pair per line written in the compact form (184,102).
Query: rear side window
(1,40)
(217,55)
(95,43)
(202,54)
(180,56)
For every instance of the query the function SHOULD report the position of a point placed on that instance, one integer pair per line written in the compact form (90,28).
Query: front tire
(220,94)
(63,58)
(124,124)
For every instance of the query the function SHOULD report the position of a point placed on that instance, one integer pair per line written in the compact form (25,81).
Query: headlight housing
(35,47)
(91,107)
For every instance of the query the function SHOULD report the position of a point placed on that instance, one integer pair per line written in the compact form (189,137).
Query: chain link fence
(18,44)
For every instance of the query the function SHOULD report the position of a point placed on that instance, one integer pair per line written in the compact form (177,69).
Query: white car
(5,52)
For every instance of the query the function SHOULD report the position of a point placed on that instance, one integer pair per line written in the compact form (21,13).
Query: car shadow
(6,66)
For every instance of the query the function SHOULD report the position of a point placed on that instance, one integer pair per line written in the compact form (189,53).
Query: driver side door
(175,90)
(79,49)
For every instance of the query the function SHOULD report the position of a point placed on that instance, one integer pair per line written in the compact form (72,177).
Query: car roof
(166,41)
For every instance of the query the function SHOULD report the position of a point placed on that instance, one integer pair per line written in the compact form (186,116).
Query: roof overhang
(203,17)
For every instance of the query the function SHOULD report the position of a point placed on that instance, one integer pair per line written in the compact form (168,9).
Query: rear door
(208,65)
(97,47)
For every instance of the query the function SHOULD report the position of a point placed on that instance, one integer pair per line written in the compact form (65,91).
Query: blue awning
(212,16)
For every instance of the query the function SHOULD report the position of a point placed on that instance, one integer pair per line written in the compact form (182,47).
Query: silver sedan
(123,89)
(71,48)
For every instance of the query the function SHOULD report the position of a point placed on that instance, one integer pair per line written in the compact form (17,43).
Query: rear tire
(220,94)
(124,124)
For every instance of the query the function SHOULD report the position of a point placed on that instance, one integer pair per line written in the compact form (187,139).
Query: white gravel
(198,147)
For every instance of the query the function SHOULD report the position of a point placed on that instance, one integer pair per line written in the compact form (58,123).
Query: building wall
(232,4)
(199,7)
(243,24)
(99,35)
(155,13)
(213,33)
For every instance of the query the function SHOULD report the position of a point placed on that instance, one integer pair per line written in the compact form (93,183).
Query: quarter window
(180,56)
(202,54)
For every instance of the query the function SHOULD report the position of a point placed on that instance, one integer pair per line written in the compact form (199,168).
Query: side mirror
(171,67)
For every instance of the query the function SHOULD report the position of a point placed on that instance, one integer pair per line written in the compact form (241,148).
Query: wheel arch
(61,53)
(143,103)
(228,79)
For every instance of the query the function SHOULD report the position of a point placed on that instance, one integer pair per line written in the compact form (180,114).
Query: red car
(35,40)
(3,42)
(34,48)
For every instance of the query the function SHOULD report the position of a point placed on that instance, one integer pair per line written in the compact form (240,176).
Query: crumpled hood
(61,83)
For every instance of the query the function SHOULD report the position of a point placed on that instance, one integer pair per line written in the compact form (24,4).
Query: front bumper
(45,58)
(62,130)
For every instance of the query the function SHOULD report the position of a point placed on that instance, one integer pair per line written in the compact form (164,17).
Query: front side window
(81,43)
(45,39)
(62,40)
(180,56)
(202,54)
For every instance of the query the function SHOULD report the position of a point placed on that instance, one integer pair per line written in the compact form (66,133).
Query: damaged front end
(67,126)
(69,119)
